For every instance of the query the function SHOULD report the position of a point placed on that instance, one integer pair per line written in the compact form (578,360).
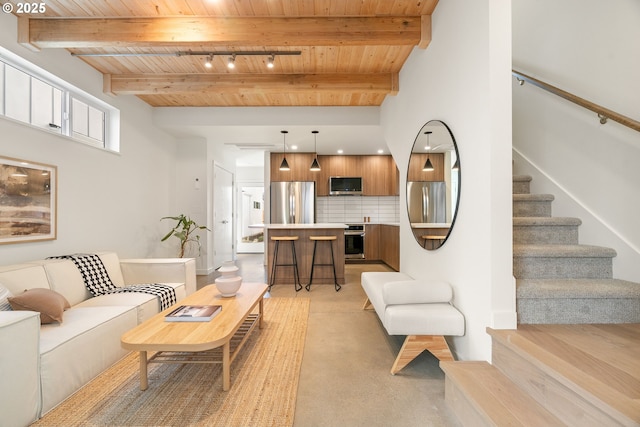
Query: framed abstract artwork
(28,201)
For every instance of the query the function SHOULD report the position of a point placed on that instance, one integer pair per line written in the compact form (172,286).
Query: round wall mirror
(433,185)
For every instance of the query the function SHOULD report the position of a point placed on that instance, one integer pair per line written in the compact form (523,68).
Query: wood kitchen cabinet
(372,242)
(416,162)
(379,176)
(382,243)
(390,245)
(299,164)
(379,173)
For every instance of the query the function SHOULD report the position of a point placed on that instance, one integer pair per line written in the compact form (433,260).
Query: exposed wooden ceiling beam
(153,84)
(39,33)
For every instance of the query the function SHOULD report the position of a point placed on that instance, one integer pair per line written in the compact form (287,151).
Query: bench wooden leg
(416,344)
(367,305)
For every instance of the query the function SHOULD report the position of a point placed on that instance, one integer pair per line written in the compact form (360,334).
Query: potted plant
(183,230)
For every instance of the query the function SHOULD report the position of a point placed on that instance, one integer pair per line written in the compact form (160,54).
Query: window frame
(110,138)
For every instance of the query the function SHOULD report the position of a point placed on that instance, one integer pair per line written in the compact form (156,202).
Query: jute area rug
(264,384)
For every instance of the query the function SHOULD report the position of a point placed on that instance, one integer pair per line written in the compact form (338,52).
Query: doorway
(251,217)
(222,215)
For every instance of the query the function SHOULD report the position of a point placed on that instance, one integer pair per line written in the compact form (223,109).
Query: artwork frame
(28,201)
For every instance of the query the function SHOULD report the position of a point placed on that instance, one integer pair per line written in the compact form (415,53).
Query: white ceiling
(355,130)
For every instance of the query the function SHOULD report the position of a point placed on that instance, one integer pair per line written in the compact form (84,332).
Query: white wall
(463,79)
(106,201)
(592,50)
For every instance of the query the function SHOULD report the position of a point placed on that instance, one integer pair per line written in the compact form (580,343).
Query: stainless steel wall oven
(354,241)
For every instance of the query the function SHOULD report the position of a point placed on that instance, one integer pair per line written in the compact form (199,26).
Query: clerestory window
(31,95)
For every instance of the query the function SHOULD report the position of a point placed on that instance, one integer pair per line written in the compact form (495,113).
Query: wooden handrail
(603,113)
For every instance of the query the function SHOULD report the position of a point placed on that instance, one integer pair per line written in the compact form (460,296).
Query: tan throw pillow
(49,303)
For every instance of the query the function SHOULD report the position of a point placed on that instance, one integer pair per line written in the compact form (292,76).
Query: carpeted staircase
(559,280)
(573,359)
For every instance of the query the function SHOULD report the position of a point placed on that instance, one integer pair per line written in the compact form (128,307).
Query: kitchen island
(304,252)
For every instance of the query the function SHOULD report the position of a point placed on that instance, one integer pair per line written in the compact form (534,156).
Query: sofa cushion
(423,319)
(147,305)
(48,303)
(93,272)
(111,263)
(82,347)
(65,278)
(416,292)
(18,277)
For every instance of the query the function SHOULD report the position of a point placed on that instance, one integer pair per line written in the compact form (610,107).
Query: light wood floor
(602,359)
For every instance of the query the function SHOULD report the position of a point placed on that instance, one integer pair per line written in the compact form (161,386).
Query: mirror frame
(457,200)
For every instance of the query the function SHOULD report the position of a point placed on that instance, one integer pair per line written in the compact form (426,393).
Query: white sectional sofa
(41,365)
(419,309)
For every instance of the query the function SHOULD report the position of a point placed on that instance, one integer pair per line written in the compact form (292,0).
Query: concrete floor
(344,378)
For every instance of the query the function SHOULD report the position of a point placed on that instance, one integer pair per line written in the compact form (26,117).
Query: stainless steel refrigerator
(293,202)
(426,201)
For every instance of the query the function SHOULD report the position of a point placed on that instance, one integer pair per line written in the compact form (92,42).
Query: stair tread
(563,251)
(533,197)
(494,395)
(577,288)
(545,220)
(525,178)
(599,362)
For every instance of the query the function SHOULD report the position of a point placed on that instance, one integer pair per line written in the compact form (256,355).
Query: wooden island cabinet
(379,172)
(304,252)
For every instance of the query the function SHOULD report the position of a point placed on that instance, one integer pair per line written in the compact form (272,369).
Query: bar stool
(294,264)
(433,239)
(330,240)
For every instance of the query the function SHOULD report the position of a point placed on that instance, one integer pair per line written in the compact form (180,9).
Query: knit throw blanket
(98,282)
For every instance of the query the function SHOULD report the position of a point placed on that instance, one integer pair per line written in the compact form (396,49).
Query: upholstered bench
(419,309)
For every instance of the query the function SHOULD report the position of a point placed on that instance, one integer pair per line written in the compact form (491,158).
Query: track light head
(231,62)
(270,61)
(209,61)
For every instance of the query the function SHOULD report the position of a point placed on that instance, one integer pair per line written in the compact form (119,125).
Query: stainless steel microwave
(345,186)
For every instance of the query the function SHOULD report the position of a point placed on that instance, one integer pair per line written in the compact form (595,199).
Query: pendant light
(284,166)
(428,166)
(315,166)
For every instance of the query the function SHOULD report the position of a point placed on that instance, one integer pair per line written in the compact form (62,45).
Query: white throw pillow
(4,294)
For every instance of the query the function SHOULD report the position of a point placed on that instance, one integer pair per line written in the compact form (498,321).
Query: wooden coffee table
(216,341)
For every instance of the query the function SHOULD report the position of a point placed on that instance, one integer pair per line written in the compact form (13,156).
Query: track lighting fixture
(428,166)
(231,62)
(208,61)
(284,166)
(315,166)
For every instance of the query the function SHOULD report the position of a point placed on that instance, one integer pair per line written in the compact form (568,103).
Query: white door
(222,215)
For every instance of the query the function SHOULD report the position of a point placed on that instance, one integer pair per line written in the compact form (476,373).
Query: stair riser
(572,311)
(568,405)
(521,187)
(562,268)
(532,208)
(540,234)
(459,404)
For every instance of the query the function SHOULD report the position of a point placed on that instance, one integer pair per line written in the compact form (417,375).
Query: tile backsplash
(353,209)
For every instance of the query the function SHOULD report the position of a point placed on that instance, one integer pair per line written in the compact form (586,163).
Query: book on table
(193,313)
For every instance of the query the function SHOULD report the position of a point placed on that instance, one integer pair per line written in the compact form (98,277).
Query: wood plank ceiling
(351,51)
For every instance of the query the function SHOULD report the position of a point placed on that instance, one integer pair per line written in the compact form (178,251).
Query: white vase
(229,283)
